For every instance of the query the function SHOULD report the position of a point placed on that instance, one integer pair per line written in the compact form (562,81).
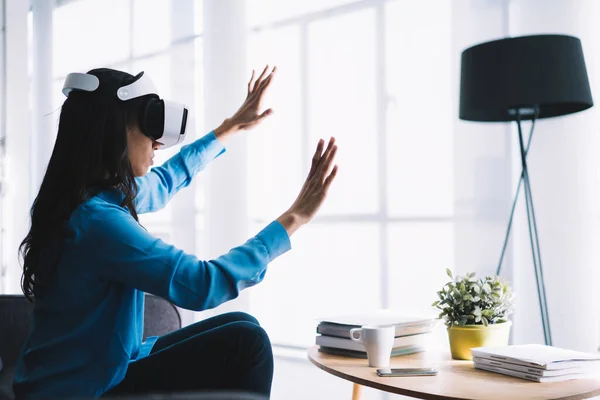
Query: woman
(88,261)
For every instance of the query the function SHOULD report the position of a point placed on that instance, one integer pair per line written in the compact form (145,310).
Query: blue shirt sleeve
(158,186)
(125,252)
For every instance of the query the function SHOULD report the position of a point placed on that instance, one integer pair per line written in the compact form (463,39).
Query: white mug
(378,341)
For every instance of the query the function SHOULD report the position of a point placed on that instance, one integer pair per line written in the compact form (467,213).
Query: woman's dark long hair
(90,155)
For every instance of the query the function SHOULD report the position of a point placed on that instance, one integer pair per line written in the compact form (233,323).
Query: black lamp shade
(546,72)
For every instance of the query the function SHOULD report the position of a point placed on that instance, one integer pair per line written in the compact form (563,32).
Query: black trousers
(226,352)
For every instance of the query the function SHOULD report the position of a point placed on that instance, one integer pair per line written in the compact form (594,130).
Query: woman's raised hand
(315,188)
(249,114)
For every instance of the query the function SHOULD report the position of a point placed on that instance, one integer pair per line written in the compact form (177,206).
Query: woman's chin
(137,172)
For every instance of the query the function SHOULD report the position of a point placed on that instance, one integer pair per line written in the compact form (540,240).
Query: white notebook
(535,378)
(539,356)
(532,370)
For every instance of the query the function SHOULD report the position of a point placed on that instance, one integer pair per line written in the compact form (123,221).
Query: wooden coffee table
(455,380)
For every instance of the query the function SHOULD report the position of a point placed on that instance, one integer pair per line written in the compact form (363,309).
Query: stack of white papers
(537,362)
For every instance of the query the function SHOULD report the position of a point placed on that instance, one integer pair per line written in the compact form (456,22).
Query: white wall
(563,163)
(564,179)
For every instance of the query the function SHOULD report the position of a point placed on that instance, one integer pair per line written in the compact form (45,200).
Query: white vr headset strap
(173,121)
(89,83)
(79,81)
(141,87)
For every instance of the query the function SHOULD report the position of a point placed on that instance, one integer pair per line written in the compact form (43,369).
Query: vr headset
(161,120)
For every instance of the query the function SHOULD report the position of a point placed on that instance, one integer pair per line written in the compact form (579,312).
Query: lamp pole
(531,221)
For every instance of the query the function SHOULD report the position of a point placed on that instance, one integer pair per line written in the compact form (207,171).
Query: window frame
(383,216)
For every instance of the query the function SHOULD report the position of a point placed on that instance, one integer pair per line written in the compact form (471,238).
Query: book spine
(343,331)
(349,344)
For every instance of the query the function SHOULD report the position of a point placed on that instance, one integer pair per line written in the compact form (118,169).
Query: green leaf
(467,300)
(487,313)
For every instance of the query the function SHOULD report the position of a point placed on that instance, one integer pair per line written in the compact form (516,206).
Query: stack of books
(412,333)
(537,362)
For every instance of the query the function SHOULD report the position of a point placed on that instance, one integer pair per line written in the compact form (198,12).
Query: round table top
(455,379)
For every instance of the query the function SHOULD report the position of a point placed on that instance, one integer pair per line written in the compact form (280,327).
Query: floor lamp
(519,79)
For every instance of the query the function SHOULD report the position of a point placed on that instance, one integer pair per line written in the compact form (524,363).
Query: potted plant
(476,312)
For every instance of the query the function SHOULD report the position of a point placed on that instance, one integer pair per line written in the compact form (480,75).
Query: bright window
(342,103)
(151,26)
(385,234)
(421,109)
(89,34)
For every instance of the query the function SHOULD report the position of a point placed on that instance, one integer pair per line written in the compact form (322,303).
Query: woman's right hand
(314,190)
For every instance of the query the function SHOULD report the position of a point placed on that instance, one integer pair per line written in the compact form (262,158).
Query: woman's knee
(242,317)
(255,357)
(254,337)
(251,330)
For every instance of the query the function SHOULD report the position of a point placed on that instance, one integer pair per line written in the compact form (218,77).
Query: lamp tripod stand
(531,221)
(524,78)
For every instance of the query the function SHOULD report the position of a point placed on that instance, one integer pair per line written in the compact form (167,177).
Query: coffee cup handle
(352,331)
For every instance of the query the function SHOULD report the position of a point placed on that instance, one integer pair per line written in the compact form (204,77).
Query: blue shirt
(88,326)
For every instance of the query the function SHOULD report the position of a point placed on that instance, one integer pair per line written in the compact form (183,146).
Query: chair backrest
(160,317)
(15,317)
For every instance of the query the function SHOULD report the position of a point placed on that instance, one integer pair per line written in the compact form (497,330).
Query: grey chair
(160,318)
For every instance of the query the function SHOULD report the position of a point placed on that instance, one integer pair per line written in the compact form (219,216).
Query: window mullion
(382,98)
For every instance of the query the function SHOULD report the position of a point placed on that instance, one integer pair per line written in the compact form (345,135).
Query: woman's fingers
(327,163)
(260,78)
(329,179)
(251,83)
(316,158)
(326,154)
(322,160)
(330,158)
(262,116)
(262,90)
(265,83)
(315,188)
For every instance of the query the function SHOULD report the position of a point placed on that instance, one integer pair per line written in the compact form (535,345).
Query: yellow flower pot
(464,338)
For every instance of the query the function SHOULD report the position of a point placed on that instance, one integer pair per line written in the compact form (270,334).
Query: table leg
(357,391)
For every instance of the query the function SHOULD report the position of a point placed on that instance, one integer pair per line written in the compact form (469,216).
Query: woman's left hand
(248,115)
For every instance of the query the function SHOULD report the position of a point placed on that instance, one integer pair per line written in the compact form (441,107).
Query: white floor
(296,378)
